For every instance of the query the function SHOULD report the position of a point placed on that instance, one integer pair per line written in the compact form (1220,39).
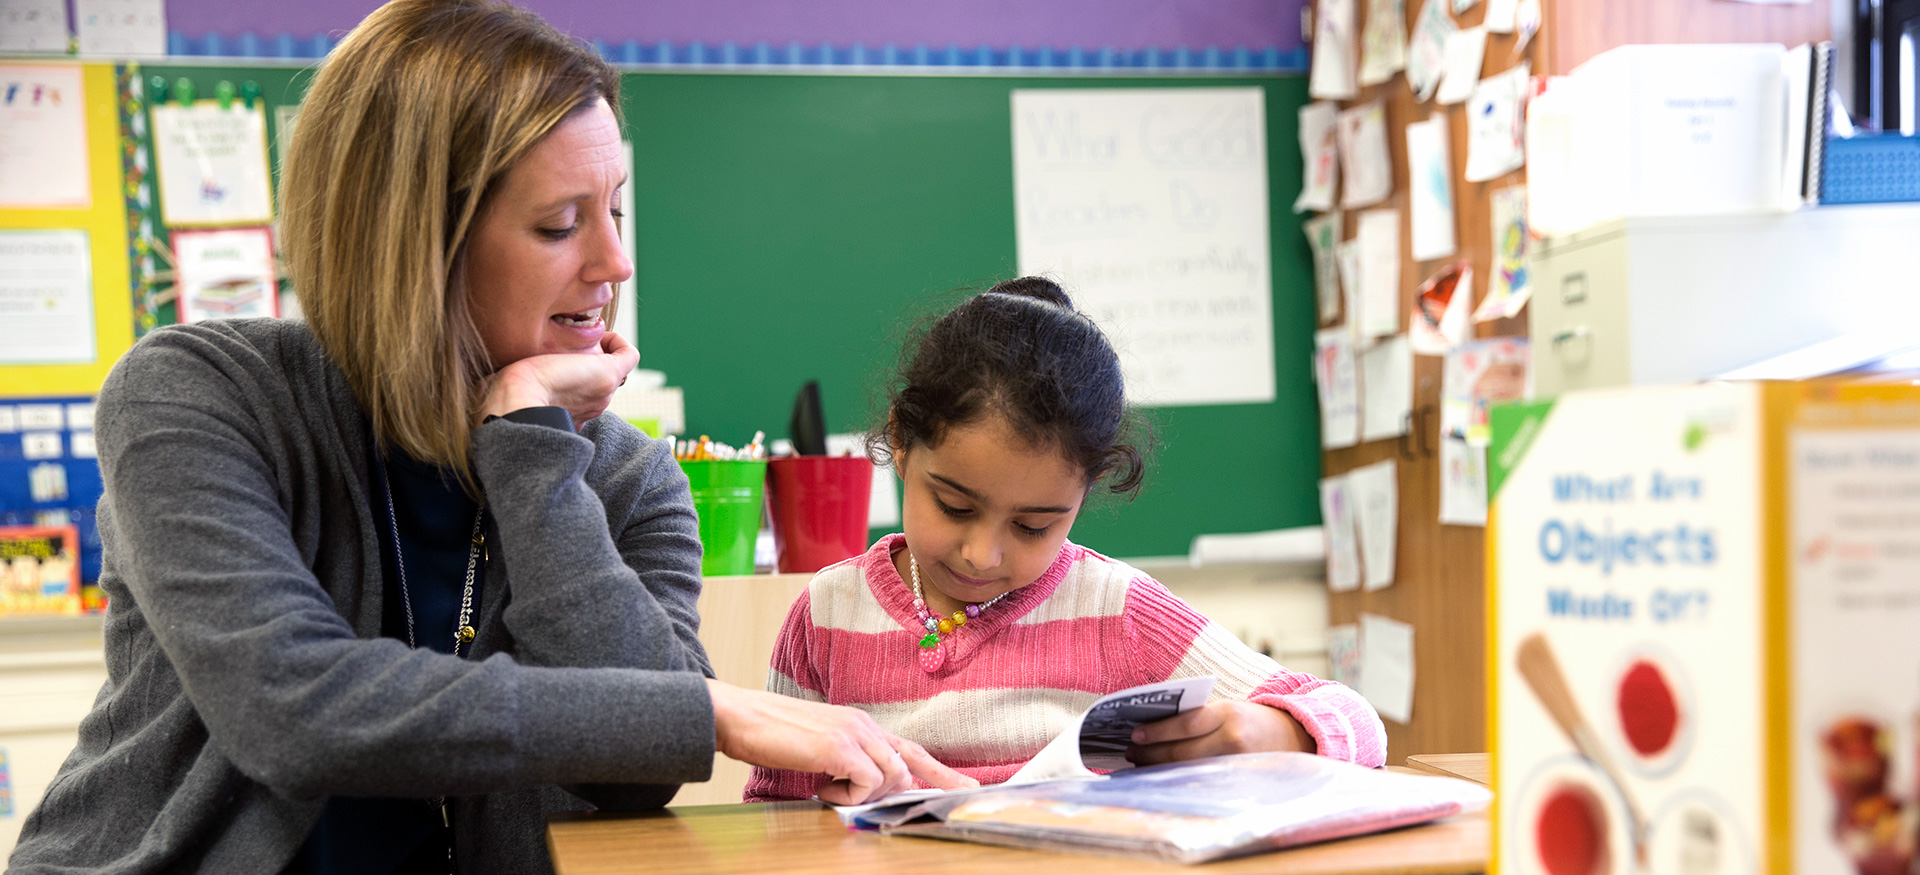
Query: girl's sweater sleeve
(793,673)
(1169,639)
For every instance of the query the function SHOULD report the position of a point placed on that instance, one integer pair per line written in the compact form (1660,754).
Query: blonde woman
(386,588)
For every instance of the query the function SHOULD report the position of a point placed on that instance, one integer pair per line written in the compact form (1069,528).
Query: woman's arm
(582,596)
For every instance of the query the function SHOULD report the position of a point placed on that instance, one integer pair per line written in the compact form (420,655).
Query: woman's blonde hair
(409,123)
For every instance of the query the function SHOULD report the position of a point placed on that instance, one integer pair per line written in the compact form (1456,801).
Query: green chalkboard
(795,227)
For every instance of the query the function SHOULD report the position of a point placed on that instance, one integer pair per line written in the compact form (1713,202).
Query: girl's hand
(1218,728)
(779,732)
(583,383)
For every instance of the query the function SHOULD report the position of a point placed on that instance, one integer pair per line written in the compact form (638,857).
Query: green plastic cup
(726,495)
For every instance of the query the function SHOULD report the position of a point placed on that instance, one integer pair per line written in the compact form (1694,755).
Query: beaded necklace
(933,651)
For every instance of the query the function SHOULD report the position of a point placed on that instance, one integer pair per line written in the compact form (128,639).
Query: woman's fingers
(1187,724)
(930,771)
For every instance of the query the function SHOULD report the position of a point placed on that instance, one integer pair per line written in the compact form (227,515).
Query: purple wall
(1122,24)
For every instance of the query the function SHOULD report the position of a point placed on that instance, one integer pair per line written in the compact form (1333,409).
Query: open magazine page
(1097,739)
(1202,810)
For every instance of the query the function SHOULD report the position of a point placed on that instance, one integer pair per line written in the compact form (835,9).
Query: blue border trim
(728,55)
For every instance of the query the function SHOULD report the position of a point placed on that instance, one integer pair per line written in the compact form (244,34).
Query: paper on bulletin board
(1150,205)
(1337,521)
(33,26)
(225,274)
(1438,321)
(211,164)
(1377,241)
(1499,17)
(1463,483)
(1338,382)
(1510,282)
(1375,490)
(1320,152)
(1343,654)
(1386,389)
(1348,254)
(121,28)
(1386,666)
(286,118)
(1477,375)
(46,298)
(1430,180)
(1460,61)
(1497,124)
(1426,51)
(1364,161)
(43,137)
(1331,74)
(1383,43)
(1323,239)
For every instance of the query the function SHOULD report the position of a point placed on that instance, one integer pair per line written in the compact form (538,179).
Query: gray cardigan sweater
(247,679)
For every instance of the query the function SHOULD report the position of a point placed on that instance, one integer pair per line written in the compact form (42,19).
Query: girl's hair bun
(1037,288)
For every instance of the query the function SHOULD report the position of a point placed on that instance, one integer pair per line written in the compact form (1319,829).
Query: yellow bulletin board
(105,221)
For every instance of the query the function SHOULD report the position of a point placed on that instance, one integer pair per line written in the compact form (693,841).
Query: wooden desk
(803,838)
(1471,766)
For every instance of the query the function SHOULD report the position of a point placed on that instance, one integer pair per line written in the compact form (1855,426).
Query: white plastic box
(1658,130)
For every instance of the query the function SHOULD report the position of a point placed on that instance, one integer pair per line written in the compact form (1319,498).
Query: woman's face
(545,252)
(985,513)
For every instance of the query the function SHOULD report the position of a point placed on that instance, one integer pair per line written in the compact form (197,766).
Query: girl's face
(984,512)
(545,252)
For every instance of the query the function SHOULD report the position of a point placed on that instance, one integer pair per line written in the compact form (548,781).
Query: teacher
(385,588)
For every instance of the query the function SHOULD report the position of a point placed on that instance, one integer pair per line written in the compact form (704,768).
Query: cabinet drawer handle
(1580,332)
(1573,288)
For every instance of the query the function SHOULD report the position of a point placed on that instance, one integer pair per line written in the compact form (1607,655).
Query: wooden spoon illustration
(1542,673)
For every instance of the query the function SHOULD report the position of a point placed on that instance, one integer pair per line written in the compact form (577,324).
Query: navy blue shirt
(432,521)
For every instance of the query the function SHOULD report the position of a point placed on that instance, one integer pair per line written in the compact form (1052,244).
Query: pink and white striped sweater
(1015,677)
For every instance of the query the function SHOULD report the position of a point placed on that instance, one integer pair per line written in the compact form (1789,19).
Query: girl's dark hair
(1019,350)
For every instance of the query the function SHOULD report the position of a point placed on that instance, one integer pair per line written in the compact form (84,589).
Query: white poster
(1375,490)
(1460,60)
(1386,389)
(1430,189)
(46,298)
(1510,282)
(1338,381)
(1377,244)
(626,322)
(1337,521)
(212,164)
(121,28)
(33,26)
(1426,51)
(1463,483)
(1150,207)
(1383,43)
(225,274)
(1364,160)
(43,137)
(1497,125)
(1331,76)
(1320,155)
(1386,666)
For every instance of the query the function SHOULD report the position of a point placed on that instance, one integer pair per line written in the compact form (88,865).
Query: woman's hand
(779,732)
(1218,728)
(583,383)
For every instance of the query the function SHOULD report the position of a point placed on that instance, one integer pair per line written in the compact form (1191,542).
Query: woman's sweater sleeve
(1171,640)
(792,673)
(580,597)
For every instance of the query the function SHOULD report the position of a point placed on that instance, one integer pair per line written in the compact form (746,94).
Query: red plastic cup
(819,509)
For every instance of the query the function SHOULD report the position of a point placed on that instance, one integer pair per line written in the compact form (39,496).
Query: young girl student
(981,631)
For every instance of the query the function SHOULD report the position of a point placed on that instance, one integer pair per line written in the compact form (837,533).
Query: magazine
(1201,810)
(1097,739)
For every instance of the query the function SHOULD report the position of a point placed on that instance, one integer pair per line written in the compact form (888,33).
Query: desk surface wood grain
(1471,766)
(800,838)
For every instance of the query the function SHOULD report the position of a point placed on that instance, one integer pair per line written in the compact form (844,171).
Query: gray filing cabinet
(1643,301)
